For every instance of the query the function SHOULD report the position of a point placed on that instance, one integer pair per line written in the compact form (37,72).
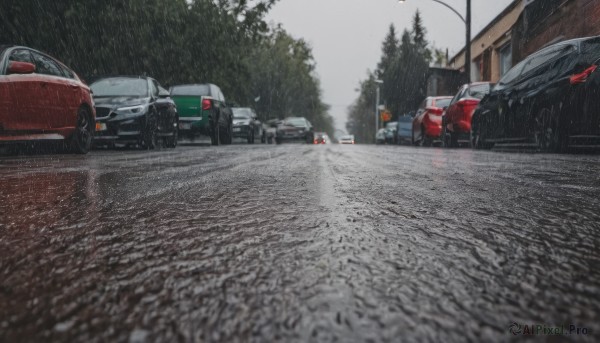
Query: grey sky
(346,35)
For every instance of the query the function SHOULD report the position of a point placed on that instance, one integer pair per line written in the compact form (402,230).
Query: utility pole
(468,45)
(377,83)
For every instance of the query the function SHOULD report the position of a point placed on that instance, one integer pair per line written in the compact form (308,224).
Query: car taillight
(206,104)
(468,102)
(582,77)
(436,110)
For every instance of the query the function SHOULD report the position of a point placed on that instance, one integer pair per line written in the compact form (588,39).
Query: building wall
(565,19)
(443,81)
(489,41)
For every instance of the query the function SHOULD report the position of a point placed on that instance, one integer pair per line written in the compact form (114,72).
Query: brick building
(545,22)
(524,27)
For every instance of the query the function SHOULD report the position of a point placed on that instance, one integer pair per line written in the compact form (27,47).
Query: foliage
(404,68)
(225,42)
(361,120)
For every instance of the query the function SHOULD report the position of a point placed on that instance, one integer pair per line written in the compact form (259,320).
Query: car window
(513,73)
(478,91)
(68,73)
(541,60)
(153,88)
(441,103)
(20,55)
(458,95)
(45,65)
(190,90)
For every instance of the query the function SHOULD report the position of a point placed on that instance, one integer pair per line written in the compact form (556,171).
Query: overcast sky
(346,35)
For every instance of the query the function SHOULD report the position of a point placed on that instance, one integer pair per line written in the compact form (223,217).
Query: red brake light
(582,77)
(206,104)
(435,110)
(468,102)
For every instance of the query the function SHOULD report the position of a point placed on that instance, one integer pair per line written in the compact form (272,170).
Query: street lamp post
(377,82)
(467,22)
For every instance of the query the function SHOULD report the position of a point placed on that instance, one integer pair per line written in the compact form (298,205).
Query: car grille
(102,112)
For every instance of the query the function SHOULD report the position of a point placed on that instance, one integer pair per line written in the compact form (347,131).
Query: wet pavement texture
(297,243)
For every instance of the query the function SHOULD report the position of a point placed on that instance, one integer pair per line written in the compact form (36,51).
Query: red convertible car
(427,124)
(456,120)
(41,99)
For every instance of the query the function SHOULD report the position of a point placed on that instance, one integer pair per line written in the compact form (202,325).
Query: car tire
(81,140)
(546,133)
(226,135)
(171,142)
(250,138)
(149,135)
(424,141)
(215,134)
(444,137)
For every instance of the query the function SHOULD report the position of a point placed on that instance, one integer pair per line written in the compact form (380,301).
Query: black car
(550,101)
(134,110)
(246,125)
(297,129)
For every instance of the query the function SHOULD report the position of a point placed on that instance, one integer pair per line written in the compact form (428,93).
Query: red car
(427,124)
(41,99)
(456,121)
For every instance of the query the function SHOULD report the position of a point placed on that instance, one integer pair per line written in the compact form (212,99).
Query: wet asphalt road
(297,243)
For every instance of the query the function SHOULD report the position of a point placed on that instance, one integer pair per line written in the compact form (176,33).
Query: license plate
(185,126)
(237,129)
(100,127)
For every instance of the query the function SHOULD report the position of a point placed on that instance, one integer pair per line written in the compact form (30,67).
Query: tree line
(225,42)
(404,69)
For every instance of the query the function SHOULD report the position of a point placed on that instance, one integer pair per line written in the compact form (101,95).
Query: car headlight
(132,110)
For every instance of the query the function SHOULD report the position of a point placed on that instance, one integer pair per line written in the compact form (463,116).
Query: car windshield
(441,103)
(120,87)
(190,90)
(242,113)
(298,122)
(479,91)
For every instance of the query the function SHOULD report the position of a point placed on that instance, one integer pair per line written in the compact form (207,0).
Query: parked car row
(41,99)
(549,102)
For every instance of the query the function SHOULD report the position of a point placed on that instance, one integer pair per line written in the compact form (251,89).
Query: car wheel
(251,137)
(444,136)
(424,141)
(149,137)
(171,142)
(546,131)
(81,140)
(226,136)
(215,134)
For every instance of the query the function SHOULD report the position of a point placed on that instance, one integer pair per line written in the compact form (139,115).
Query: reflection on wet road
(297,243)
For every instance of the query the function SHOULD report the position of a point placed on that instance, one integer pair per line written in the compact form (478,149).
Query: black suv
(549,101)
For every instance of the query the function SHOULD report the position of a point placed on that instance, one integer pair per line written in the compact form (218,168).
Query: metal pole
(377,110)
(468,44)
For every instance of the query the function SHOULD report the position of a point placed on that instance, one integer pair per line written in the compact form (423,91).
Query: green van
(203,111)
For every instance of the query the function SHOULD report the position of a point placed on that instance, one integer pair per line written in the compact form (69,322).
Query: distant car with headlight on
(134,110)
(294,129)
(347,139)
(246,125)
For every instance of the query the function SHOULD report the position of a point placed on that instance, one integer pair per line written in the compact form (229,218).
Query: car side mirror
(163,94)
(21,68)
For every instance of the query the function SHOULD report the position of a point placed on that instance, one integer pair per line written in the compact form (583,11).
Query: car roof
(194,84)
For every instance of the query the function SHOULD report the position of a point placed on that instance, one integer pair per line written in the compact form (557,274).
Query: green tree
(285,84)
(419,34)
(361,116)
